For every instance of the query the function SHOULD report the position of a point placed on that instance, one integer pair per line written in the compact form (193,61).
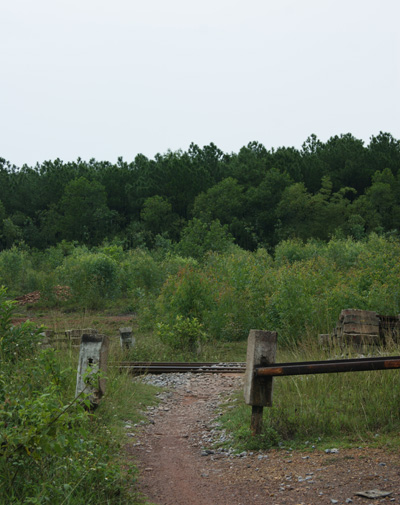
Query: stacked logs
(363,329)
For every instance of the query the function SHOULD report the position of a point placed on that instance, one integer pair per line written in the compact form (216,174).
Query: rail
(328,366)
(143,367)
(261,368)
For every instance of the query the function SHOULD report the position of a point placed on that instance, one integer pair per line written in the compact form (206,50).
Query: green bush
(16,342)
(185,335)
(92,277)
(14,264)
(187,294)
(51,449)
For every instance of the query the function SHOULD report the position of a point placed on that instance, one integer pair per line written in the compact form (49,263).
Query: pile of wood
(358,327)
(61,293)
(363,329)
(29,298)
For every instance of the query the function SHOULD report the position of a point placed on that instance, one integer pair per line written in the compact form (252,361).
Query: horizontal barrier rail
(329,366)
(261,368)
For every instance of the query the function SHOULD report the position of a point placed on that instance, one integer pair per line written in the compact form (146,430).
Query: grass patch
(322,411)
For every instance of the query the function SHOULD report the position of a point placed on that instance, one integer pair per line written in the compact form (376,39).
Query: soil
(61,293)
(175,471)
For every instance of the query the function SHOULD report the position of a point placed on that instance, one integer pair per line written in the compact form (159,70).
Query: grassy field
(328,410)
(347,408)
(217,302)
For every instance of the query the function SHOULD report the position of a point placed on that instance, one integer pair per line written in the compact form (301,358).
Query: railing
(261,368)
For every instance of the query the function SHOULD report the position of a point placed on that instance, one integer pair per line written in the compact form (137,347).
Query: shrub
(188,294)
(185,335)
(92,278)
(14,264)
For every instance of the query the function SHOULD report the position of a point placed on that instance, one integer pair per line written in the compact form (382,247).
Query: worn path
(178,467)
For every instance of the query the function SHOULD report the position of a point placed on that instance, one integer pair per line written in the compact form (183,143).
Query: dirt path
(175,468)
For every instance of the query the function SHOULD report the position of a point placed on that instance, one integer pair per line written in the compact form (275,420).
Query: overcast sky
(102,79)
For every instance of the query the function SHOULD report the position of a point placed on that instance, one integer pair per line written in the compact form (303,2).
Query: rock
(331,451)
(374,493)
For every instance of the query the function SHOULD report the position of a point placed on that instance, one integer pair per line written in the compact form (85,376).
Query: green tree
(345,159)
(224,201)
(250,164)
(198,237)
(158,218)
(86,216)
(262,202)
(381,205)
(294,212)
(383,152)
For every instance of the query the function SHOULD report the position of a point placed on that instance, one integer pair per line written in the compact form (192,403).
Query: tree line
(255,198)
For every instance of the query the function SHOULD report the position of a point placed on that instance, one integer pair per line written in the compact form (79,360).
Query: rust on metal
(330,366)
(392,364)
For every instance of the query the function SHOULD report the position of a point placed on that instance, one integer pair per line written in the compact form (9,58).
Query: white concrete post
(126,338)
(92,367)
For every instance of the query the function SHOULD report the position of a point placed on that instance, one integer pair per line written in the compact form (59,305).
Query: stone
(373,493)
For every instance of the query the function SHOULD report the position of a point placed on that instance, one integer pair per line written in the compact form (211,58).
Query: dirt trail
(174,469)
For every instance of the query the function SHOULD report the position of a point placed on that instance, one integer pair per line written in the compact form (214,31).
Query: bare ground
(173,470)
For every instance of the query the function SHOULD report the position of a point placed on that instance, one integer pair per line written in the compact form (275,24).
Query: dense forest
(203,198)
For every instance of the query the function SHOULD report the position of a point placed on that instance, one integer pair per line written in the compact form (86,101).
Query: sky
(103,79)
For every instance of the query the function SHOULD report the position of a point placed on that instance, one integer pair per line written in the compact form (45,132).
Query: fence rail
(329,366)
(261,369)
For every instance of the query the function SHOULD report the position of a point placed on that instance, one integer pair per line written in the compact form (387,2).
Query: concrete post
(92,362)
(126,338)
(261,351)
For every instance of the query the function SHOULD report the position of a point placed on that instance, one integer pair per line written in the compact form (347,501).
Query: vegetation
(198,247)
(322,411)
(298,292)
(203,199)
(52,449)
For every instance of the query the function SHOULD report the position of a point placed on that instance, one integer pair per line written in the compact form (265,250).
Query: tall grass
(355,408)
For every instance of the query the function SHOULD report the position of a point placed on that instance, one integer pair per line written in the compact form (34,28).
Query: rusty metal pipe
(332,366)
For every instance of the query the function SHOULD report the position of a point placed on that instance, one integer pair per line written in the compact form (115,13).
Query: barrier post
(92,366)
(261,351)
(126,339)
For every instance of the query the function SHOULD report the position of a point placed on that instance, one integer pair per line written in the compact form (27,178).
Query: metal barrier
(261,368)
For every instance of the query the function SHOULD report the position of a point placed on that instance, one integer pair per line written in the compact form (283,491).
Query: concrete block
(92,367)
(126,338)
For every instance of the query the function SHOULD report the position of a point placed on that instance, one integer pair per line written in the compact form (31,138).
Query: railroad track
(143,367)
